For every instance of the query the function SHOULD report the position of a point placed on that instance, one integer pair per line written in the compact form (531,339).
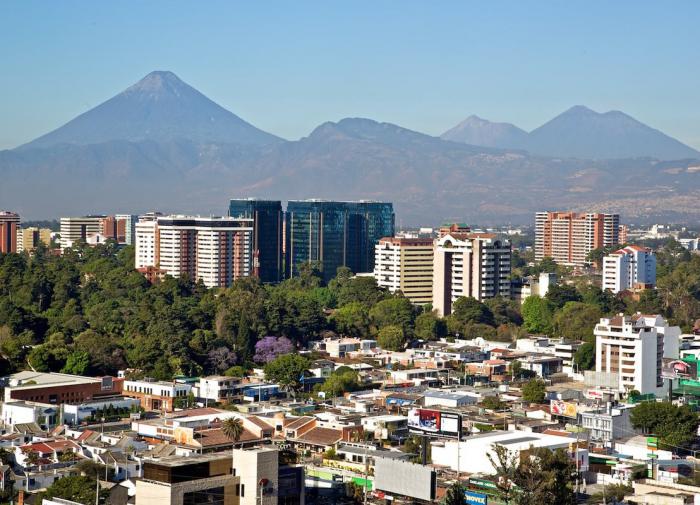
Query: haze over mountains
(162,145)
(576,133)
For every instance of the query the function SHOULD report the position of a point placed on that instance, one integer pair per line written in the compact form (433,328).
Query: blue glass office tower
(335,234)
(267,218)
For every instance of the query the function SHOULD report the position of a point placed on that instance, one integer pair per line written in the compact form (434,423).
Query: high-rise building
(127,223)
(216,250)
(335,234)
(268,218)
(78,229)
(632,348)
(406,265)
(9,225)
(568,237)
(28,239)
(474,265)
(629,267)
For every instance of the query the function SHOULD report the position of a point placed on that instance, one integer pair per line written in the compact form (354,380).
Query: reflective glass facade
(335,234)
(267,235)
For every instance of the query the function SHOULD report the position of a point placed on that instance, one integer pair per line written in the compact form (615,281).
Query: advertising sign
(561,408)
(474,498)
(678,369)
(436,422)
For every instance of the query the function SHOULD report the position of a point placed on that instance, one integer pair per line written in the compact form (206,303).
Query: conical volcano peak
(158,81)
(162,108)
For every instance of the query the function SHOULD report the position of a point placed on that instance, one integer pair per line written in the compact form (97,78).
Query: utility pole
(366,473)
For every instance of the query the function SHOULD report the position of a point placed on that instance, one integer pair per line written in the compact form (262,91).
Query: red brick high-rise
(9,224)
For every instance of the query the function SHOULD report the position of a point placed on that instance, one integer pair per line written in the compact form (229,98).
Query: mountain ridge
(578,132)
(183,168)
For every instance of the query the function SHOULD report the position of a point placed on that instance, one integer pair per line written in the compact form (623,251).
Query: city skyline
(271,67)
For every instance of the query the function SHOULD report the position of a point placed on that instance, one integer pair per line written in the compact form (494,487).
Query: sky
(287,67)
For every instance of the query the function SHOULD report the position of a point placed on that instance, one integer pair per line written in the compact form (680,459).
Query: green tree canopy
(576,321)
(391,338)
(537,315)
(534,391)
(675,426)
(287,370)
(468,310)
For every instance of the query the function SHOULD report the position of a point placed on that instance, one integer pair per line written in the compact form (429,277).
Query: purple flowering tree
(221,358)
(268,348)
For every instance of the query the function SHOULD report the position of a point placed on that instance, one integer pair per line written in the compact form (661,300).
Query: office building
(9,225)
(335,234)
(125,227)
(194,480)
(629,268)
(265,480)
(473,265)
(406,265)
(78,229)
(216,250)
(28,239)
(632,348)
(156,395)
(568,237)
(268,219)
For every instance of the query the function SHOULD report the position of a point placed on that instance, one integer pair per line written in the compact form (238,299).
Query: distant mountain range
(162,145)
(576,133)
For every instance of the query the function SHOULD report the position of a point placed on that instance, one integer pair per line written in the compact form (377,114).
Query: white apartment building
(76,229)
(406,265)
(632,349)
(216,250)
(628,267)
(470,264)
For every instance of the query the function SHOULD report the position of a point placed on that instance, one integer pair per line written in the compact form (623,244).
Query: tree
(675,426)
(470,310)
(504,311)
(221,358)
(77,363)
(351,319)
(287,370)
(610,492)
(391,338)
(268,348)
(559,294)
(455,495)
(342,380)
(232,428)
(576,321)
(429,326)
(396,311)
(537,315)
(80,489)
(492,403)
(506,465)
(584,357)
(534,391)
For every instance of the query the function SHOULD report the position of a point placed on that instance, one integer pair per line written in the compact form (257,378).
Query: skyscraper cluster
(259,239)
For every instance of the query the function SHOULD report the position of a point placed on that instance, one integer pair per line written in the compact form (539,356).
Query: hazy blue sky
(288,66)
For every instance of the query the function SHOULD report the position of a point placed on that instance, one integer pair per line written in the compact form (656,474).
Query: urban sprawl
(317,354)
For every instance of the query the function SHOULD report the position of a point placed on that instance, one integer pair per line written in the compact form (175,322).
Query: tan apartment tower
(568,237)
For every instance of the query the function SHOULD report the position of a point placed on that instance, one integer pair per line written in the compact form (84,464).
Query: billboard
(561,408)
(474,498)
(678,369)
(404,478)
(436,422)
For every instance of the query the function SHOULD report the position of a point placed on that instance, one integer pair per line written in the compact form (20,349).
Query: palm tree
(232,429)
